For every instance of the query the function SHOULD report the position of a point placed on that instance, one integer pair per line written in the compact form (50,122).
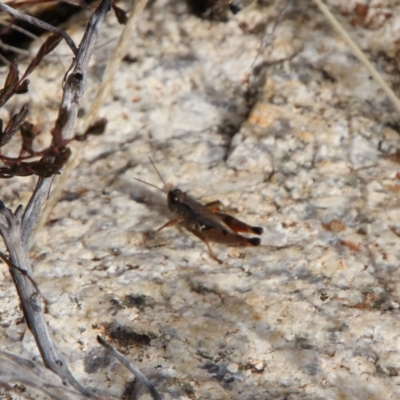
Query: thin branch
(4,60)
(16,229)
(24,31)
(15,49)
(17,369)
(73,91)
(10,230)
(35,205)
(269,37)
(106,83)
(359,54)
(74,86)
(116,57)
(40,24)
(25,273)
(139,376)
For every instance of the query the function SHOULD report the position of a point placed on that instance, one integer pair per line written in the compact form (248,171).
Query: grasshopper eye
(175,196)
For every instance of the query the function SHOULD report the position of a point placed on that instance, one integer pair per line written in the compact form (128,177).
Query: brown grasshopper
(205,221)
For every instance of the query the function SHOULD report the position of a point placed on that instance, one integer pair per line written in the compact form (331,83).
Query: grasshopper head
(175,199)
(238,5)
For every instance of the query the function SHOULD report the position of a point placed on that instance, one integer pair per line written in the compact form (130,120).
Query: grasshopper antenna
(159,175)
(149,184)
(158,172)
(269,37)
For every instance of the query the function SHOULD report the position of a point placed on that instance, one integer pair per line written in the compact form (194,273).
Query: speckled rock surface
(313,313)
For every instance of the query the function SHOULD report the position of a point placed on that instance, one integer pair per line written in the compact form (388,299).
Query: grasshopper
(238,5)
(207,222)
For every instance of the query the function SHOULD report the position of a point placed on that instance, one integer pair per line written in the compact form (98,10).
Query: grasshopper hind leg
(257,230)
(239,226)
(254,241)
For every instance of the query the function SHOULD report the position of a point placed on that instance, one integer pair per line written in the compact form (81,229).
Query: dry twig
(10,230)
(359,54)
(17,369)
(55,379)
(108,78)
(269,36)
(139,376)
(16,228)
(40,24)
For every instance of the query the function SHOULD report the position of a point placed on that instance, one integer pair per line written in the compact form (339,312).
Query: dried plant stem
(358,53)
(41,24)
(115,62)
(15,49)
(35,205)
(139,376)
(108,78)
(269,36)
(10,230)
(70,102)
(16,228)
(24,31)
(17,369)
(4,60)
